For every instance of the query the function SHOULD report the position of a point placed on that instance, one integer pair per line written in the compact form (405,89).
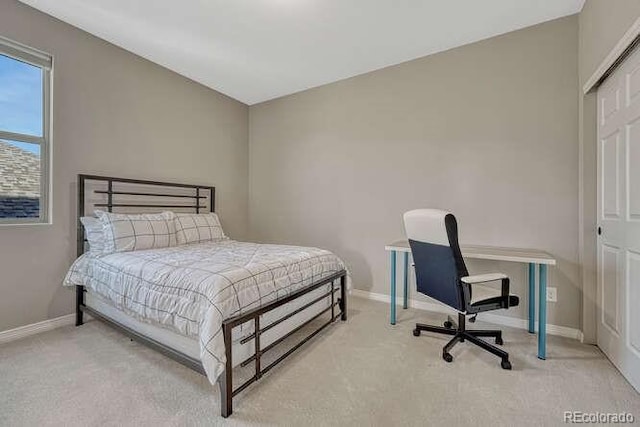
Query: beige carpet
(362,372)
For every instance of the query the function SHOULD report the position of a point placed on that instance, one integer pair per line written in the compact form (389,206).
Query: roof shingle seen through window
(19,182)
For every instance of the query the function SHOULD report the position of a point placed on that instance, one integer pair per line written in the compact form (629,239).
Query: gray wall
(488,130)
(602,23)
(113,113)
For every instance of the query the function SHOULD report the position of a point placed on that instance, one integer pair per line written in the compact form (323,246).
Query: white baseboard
(69,319)
(36,328)
(513,322)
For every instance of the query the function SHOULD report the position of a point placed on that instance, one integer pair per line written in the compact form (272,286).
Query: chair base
(460,334)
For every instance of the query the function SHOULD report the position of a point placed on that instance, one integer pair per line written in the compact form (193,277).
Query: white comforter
(193,288)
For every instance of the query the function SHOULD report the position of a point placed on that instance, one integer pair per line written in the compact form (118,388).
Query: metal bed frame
(225,381)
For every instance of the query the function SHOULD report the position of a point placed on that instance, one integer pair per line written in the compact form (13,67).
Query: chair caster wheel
(499,341)
(416,332)
(506,365)
(448,324)
(447,357)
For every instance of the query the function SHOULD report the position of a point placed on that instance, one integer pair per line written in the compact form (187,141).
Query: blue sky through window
(20,99)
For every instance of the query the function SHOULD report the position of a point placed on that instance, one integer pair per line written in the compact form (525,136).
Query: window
(25,140)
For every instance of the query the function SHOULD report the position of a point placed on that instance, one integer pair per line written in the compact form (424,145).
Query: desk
(531,257)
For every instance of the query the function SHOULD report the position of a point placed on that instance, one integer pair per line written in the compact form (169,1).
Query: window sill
(25,223)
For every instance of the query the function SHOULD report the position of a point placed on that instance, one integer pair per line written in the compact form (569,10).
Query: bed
(210,304)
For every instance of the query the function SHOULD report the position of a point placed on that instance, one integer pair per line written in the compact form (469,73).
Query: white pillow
(133,232)
(94,233)
(196,228)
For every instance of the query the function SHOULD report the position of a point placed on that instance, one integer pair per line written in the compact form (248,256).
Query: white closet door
(619,218)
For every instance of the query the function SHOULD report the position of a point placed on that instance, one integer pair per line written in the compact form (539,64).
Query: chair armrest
(491,277)
(482,278)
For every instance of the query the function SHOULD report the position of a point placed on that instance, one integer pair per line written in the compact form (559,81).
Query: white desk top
(490,252)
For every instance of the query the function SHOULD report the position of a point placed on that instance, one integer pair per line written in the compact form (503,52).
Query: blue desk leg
(405,302)
(393,287)
(532,297)
(542,315)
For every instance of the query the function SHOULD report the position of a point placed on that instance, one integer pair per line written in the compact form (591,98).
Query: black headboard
(137,195)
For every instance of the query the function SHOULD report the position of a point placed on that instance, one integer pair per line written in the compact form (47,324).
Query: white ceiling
(256,50)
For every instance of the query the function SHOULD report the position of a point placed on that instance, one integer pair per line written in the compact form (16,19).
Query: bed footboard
(337,310)
(227,392)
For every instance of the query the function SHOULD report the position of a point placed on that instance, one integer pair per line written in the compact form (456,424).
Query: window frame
(44,61)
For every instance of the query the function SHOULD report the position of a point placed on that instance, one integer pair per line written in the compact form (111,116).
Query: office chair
(441,274)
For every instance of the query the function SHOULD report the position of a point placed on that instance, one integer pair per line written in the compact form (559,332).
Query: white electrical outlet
(552,294)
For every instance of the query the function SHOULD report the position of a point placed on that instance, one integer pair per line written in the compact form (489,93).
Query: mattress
(189,290)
